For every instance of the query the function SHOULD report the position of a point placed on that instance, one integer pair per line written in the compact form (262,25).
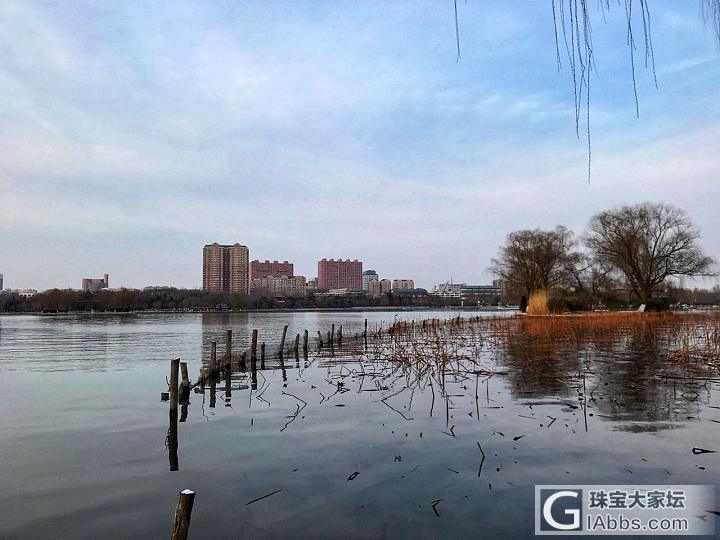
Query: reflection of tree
(641,383)
(539,367)
(630,375)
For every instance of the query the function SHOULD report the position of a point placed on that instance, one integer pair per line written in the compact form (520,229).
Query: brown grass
(538,303)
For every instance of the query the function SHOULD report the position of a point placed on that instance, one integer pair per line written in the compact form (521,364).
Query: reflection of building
(91,284)
(339,274)
(367,277)
(403,284)
(225,268)
(286,285)
(259,269)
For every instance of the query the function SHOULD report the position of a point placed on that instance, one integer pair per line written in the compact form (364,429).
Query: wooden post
(253,373)
(228,387)
(332,336)
(262,355)
(253,347)
(282,367)
(174,369)
(213,357)
(172,430)
(228,350)
(305,343)
(320,341)
(282,342)
(173,440)
(297,344)
(340,336)
(184,384)
(183,511)
(213,390)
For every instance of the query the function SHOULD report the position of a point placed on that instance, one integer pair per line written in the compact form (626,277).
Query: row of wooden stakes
(180,385)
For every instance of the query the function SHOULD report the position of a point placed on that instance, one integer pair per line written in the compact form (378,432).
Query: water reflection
(630,377)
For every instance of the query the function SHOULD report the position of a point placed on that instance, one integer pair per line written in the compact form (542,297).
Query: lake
(346,445)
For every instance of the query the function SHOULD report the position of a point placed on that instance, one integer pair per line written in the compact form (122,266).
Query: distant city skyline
(133,135)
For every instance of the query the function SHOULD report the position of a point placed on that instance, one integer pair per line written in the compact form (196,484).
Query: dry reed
(538,303)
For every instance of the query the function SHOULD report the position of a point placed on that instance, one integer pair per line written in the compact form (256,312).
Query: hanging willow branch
(571,20)
(711,14)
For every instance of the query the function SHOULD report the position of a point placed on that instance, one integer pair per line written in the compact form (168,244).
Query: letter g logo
(574,512)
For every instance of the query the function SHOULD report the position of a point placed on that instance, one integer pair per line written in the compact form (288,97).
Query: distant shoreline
(266,310)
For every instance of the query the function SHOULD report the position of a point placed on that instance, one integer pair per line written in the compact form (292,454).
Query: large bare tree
(534,259)
(647,243)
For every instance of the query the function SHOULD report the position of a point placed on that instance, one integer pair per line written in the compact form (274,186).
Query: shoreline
(355,309)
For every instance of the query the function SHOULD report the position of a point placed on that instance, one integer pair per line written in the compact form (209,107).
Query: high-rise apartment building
(367,277)
(92,284)
(259,269)
(339,274)
(225,268)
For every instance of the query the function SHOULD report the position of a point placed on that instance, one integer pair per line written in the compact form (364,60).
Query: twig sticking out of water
(482,460)
(263,497)
(434,506)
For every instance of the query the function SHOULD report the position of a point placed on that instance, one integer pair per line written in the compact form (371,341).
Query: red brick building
(259,269)
(339,274)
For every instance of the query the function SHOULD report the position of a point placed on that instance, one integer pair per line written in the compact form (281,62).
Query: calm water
(83,448)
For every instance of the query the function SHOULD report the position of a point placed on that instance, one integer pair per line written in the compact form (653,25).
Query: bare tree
(534,259)
(647,243)
(588,279)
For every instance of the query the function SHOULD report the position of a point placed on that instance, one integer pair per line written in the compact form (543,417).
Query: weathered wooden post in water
(174,371)
(183,511)
(184,397)
(320,341)
(213,357)
(184,383)
(340,336)
(305,343)
(228,388)
(331,338)
(253,346)
(253,371)
(282,342)
(228,350)
(172,429)
(262,355)
(297,345)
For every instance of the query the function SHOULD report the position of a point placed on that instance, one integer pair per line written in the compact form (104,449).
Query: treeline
(625,255)
(68,300)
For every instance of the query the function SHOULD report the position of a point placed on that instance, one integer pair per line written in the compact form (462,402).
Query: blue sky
(133,133)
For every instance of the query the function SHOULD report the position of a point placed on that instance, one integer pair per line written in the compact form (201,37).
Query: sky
(133,133)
